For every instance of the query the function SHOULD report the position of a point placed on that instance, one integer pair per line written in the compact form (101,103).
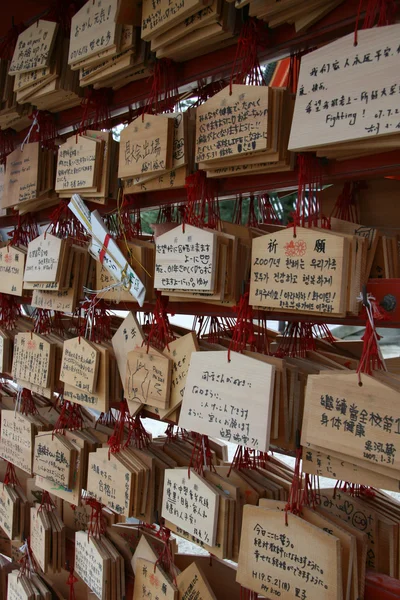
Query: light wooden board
(191,504)
(80,364)
(305,273)
(264,530)
(218,131)
(34,47)
(216,398)
(128,336)
(93,29)
(340,92)
(185,260)
(43,259)
(12,267)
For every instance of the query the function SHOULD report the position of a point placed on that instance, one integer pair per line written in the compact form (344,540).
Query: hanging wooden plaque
(54,459)
(230,124)
(265,538)
(166,13)
(40,542)
(90,564)
(146,146)
(148,377)
(12,266)
(34,47)
(43,259)
(185,260)
(98,400)
(191,504)
(8,511)
(347,92)
(16,442)
(216,398)
(76,164)
(109,481)
(80,364)
(22,175)
(93,30)
(358,421)
(306,273)
(128,336)
(32,359)
(152,582)
(193,584)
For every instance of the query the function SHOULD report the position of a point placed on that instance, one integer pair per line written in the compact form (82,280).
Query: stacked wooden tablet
(310,270)
(47,538)
(300,13)
(334,102)
(212,267)
(29,178)
(108,579)
(257,145)
(156,152)
(87,164)
(30,587)
(107,52)
(40,66)
(12,114)
(186,31)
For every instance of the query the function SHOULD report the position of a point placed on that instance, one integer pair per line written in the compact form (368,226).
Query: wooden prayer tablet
(229,400)
(93,30)
(22,174)
(359,421)
(152,582)
(185,260)
(33,359)
(218,132)
(54,459)
(192,582)
(9,509)
(109,481)
(265,537)
(12,266)
(80,364)
(34,47)
(345,92)
(16,442)
(157,19)
(76,164)
(306,273)
(191,504)
(99,399)
(43,259)
(128,336)
(91,565)
(146,146)
(148,377)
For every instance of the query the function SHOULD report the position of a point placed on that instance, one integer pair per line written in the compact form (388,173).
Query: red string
(246,594)
(97,524)
(164,88)
(71,581)
(137,435)
(64,224)
(107,419)
(378,12)
(45,130)
(95,110)
(268,214)
(94,320)
(24,231)
(71,418)
(10,478)
(252,220)
(246,67)
(28,406)
(293,504)
(205,90)
(346,205)
(129,225)
(308,208)
(27,562)
(160,333)
(166,557)
(46,502)
(116,440)
(371,358)
(62,12)
(202,208)
(10,311)
(243,333)
(42,322)
(201,457)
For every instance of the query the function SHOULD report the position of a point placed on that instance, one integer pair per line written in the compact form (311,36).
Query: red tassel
(246,68)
